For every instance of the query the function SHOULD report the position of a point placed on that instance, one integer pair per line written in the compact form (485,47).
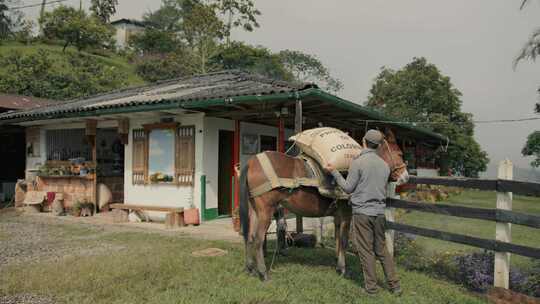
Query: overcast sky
(473,42)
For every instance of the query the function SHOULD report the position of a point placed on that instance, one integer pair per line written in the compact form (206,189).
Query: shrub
(532,285)
(476,272)
(172,65)
(70,76)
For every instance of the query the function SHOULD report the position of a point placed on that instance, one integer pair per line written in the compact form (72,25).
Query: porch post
(281,135)
(91,134)
(297,129)
(236,160)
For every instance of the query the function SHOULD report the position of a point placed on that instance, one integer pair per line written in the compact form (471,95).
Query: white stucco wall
(123,32)
(162,194)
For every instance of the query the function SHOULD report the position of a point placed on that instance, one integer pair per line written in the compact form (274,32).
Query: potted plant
(236,219)
(191,215)
(76,209)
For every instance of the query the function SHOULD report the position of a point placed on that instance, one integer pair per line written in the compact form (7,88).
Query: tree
(530,51)
(167,18)
(104,9)
(9,19)
(239,13)
(203,30)
(532,148)
(420,93)
(76,28)
(260,60)
(155,41)
(308,68)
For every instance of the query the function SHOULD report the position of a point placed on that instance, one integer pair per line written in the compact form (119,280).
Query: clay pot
(191,216)
(57,207)
(236,224)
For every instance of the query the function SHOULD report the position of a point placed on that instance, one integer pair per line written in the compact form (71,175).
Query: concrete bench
(174,217)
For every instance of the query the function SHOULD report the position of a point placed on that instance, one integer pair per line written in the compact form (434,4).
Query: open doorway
(225,172)
(110,162)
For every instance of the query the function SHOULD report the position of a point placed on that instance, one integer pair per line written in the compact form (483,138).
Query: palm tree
(531,48)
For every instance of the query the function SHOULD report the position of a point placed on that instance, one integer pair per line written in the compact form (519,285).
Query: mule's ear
(390,137)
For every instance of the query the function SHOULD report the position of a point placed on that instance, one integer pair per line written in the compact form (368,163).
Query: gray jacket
(366,182)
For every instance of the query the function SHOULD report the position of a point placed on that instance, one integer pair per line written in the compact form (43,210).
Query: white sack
(328,146)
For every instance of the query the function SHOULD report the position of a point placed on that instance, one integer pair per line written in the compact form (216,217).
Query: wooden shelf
(87,177)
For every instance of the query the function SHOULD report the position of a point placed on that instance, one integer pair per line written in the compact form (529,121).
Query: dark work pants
(367,234)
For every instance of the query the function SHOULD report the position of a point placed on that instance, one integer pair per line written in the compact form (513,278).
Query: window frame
(180,178)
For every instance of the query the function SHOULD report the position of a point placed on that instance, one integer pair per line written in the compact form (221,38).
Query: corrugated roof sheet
(198,88)
(20,102)
(129,21)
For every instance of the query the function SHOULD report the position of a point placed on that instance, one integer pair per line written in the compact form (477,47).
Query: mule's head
(390,152)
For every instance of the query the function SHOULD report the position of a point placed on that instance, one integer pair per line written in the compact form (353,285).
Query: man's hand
(329,168)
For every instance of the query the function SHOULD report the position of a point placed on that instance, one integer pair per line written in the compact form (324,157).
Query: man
(366,182)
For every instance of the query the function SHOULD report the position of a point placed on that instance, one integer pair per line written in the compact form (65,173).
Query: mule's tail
(244,202)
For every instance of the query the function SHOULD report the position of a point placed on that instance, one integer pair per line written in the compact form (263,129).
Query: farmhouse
(126,28)
(175,143)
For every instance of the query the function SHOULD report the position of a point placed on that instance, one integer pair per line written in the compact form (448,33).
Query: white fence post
(389,214)
(503,230)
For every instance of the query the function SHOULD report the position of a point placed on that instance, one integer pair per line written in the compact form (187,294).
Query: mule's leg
(281,230)
(340,251)
(250,243)
(344,242)
(343,221)
(337,224)
(264,218)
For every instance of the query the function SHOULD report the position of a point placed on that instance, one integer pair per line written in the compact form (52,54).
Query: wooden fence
(502,215)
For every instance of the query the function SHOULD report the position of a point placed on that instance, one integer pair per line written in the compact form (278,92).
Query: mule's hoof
(264,277)
(250,271)
(341,272)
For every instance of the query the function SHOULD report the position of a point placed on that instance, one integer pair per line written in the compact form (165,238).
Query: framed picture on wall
(250,144)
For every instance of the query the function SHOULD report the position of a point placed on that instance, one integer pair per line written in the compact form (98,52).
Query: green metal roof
(202,93)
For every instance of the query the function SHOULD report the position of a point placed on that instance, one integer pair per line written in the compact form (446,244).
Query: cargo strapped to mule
(317,178)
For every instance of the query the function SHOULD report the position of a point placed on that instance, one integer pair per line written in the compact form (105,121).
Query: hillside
(119,63)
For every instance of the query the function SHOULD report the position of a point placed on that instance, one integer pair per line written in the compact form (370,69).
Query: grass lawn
(485,229)
(156,268)
(113,60)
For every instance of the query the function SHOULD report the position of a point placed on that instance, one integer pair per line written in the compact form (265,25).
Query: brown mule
(256,212)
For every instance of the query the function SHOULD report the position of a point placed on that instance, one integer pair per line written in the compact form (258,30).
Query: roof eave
(225,101)
(354,107)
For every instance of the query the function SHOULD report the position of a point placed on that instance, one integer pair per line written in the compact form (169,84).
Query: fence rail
(500,185)
(467,240)
(502,215)
(496,215)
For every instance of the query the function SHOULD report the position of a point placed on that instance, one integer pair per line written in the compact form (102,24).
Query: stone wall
(74,188)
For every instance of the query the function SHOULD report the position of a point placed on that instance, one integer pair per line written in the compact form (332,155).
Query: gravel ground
(25,299)
(26,238)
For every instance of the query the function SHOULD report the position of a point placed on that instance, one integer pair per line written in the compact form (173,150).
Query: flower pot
(191,216)
(236,224)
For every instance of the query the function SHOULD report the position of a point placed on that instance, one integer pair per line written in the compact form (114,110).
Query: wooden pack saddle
(287,172)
